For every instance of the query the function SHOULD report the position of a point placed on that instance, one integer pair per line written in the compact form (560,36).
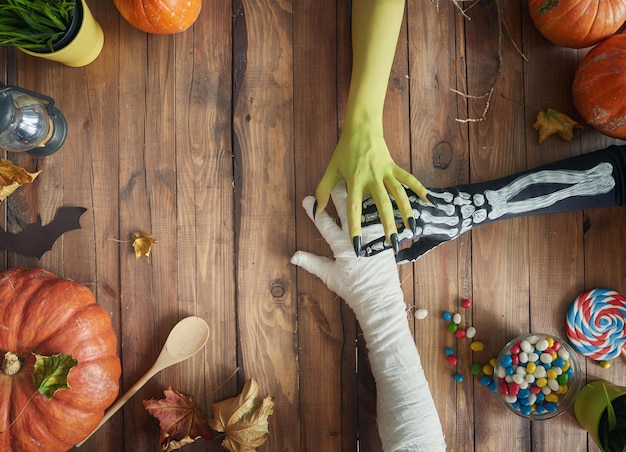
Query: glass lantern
(29,122)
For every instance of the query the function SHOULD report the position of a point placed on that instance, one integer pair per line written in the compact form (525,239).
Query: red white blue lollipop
(595,324)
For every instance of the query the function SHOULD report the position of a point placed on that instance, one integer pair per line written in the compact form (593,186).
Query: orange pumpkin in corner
(577,23)
(159,16)
(42,314)
(599,86)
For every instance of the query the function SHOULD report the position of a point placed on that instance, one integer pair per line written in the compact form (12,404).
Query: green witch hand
(363,160)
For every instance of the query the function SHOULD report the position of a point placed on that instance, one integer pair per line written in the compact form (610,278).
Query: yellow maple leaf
(13,177)
(553,122)
(243,419)
(142,244)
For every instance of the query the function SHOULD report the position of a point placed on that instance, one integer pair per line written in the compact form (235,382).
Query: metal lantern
(29,122)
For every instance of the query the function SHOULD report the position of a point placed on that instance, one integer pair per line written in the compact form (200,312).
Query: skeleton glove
(596,179)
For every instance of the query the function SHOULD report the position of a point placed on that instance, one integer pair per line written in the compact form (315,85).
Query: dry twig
(502,28)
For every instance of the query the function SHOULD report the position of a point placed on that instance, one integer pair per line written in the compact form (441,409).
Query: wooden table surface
(209,140)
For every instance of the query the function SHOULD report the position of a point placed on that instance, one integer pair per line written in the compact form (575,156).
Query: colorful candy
(454,326)
(595,324)
(477,346)
(533,375)
(421,313)
(605,364)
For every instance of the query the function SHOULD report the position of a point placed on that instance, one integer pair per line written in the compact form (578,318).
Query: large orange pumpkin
(599,86)
(577,23)
(159,16)
(43,314)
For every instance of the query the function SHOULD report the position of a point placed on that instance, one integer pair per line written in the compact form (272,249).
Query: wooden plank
(44,195)
(137,293)
(500,258)
(204,199)
(350,389)
(439,156)
(320,333)
(396,126)
(555,241)
(264,222)
(90,163)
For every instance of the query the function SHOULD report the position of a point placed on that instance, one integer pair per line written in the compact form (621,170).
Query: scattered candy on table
(605,364)
(477,346)
(454,327)
(460,333)
(421,313)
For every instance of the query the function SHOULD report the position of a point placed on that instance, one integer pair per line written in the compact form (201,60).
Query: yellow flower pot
(591,403)
(84,48)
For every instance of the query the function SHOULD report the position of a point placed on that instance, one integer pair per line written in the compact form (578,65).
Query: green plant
(612,427)
(34,24)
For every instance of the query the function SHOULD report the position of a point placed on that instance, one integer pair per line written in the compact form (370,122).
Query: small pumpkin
(159,16)
(577,23)
(43,314)
(599,86)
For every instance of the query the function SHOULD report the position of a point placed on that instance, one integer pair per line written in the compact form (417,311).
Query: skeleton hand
(450,213)
(592,180)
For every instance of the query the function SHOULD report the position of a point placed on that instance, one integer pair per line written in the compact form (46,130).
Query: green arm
(362,157)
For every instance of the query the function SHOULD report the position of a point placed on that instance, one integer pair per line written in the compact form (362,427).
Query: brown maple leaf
(552,122)
(243,419)
(142,244)
(13,177)
(180,421)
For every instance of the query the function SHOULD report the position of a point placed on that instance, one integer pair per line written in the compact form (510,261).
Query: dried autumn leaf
(180,420)
(552,122)
(50,373)
(13,177)
(142,244)
(243,419)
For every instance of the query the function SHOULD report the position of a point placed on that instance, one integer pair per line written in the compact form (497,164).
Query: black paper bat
(34,239)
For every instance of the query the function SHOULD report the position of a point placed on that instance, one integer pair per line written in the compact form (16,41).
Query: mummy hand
(405,410)
(355,280)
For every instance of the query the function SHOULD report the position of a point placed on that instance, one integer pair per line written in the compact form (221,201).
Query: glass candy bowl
(537,376)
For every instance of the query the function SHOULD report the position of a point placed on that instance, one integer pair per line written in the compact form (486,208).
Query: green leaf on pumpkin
(50,373)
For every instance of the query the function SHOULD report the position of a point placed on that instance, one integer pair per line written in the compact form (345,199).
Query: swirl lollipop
(595,324)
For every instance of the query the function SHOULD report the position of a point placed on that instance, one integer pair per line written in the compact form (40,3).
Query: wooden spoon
(185,340)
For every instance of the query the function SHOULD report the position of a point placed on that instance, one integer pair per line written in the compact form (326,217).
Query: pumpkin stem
(11,364)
